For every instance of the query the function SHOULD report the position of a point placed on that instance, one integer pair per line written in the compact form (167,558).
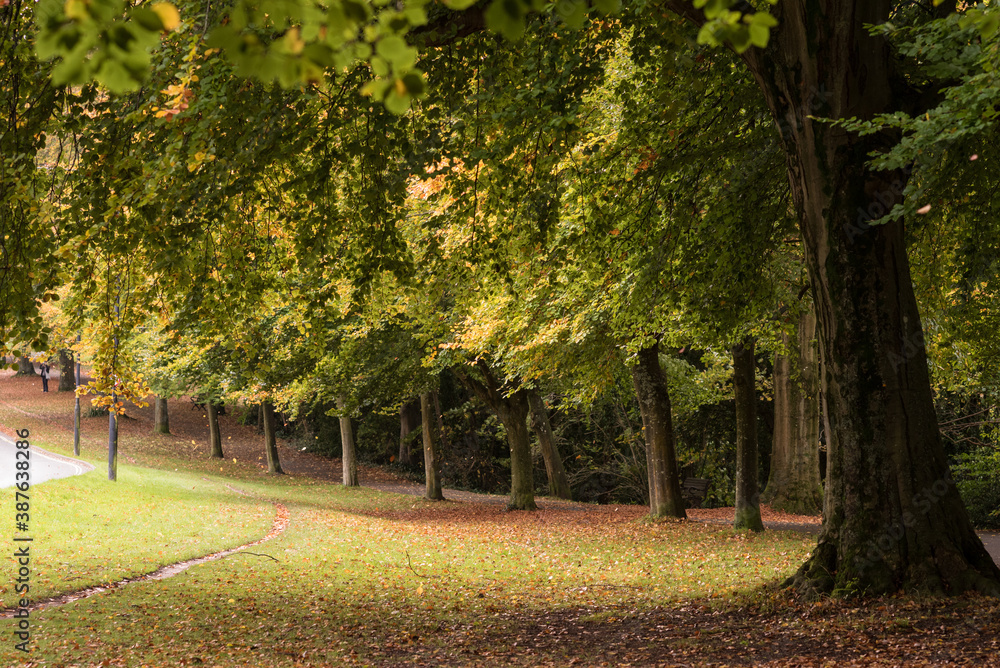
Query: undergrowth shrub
(977,476)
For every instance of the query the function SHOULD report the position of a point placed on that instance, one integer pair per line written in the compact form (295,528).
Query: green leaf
(116,77)
(396,51)
(147,18)
(507,18)
(573,12)
(414,82)
(759,35)
(608,6)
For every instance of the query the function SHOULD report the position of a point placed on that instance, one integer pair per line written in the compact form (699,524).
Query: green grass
(359,577)
(359,573)
(86,531)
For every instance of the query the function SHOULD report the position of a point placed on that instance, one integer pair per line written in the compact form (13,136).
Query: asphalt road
(42,465)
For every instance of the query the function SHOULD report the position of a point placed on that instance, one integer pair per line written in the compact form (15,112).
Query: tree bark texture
(512,409)
(793,484)
(271,439)
(409,418)
(432,458)
(161,416)
(214,435)
(893,517)
(25,367)
(348,458)
(556,474)
(67,380)
(113,443)
(747,468)
(650,384)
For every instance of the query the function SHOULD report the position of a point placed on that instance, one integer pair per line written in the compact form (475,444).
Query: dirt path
(281,518)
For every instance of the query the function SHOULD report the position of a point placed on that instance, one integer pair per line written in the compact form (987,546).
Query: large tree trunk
(513,412)
(214,435)
(25,367)
(512,409)
(161,416)
(558,484)
(432,459)
(270,439)
(409,418)
(747,469)
(650,383)
(893,519)
(793,484)
(67,381)
(347,457)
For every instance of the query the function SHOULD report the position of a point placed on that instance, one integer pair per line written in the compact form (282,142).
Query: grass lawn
(362,577)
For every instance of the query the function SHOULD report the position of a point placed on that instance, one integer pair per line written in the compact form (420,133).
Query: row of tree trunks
(794,484)
(650,384)
(161,425)
(747,469)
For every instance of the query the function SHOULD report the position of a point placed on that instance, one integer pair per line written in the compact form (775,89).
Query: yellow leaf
(168,14)
(75,9)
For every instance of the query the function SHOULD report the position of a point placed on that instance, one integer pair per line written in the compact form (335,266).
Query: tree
(270,440)
(510,403)
(657,425)
(25,367)
(348,455)
(161,416)
(887,526)
(793,484)
(214,433)
(747,470)
(67,379)
(893,520)
(409,412)
(432,455)
(554,471)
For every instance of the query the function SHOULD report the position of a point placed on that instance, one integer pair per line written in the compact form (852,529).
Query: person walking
(45,377)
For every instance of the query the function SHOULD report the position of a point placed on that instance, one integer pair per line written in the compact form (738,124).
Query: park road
(43,465)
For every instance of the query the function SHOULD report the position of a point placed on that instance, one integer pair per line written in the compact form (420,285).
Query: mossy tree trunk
(793,484)
(432,458)
(747,468)
(214,434)
(893,519)
(554,471)
(651,390)
(271,439)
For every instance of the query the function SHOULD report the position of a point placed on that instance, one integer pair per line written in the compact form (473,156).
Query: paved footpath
(43,465)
